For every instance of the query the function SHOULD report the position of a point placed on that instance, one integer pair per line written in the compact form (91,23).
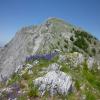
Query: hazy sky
(14,14)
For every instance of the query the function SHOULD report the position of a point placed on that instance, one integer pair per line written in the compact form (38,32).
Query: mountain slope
(53,61)
(52,34)
(69,76)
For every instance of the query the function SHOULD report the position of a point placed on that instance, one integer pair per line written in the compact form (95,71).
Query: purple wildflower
(42,56)
(15,87)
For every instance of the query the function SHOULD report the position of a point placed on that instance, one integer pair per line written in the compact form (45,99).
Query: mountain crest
(52,34)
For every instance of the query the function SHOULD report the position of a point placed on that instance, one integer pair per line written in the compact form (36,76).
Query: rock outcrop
(75,59)
(72,59)
(55,81)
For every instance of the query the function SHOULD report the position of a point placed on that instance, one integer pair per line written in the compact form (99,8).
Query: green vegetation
(71,38)
(65,68)
(55,20)
(81,43)
(90,96)
(93,51)
(14,78)
(77,85)
(33,90)
(65,46)
(22,97)
(81,76)
(74,49)
(84,34)
(26,76)
(92,79)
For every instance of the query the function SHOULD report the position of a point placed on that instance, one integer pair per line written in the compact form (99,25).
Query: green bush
(82,38)
(81,43)
(71,38)
(83,34)
(58,43)
(74,49)
(93,51)
(65,46)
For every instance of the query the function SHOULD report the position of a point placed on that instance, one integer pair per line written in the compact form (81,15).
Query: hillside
(54,60)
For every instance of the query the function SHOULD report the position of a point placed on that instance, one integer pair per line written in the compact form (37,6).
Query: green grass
(92,79)
(22,97)
(80,76)
(33,90)
(26,76)
(90,96)
(14,78)
(65,68)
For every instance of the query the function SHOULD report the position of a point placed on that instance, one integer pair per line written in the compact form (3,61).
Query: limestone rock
(54,82)
(52,67)
(72,59)
(90,62)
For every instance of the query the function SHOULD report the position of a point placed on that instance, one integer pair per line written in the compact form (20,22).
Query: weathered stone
(72,59)
(52,67)
(90,62)
(19,68)
(54,82)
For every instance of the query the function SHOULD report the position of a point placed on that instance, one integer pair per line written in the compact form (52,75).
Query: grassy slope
(90,80)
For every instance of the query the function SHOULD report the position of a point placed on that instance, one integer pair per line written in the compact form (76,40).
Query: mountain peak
(54,19)
(53,34)
(54,50)
(60,22)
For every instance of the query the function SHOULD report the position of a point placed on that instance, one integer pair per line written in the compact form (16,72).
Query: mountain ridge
(52,34)
(52,61)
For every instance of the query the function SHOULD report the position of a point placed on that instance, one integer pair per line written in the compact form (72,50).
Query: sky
(15,14)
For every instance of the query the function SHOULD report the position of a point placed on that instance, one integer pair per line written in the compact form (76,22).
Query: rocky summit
(54,61)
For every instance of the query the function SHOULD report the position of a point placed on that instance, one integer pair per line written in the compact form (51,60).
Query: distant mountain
(44,38)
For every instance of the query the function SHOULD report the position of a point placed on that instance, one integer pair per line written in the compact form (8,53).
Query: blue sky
(15,14)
